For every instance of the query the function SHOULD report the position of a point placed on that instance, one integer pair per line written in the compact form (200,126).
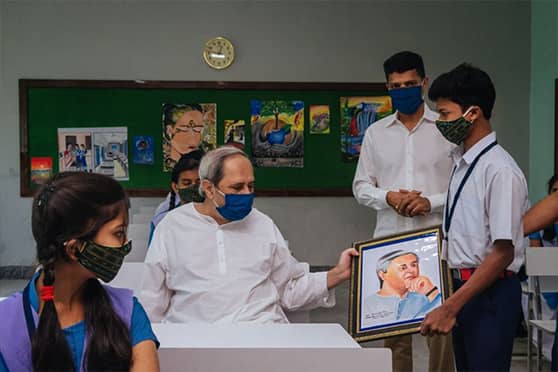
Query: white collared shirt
(393,158)
(200,271)
(491,206)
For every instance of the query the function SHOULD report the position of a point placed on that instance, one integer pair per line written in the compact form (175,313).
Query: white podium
(264,347)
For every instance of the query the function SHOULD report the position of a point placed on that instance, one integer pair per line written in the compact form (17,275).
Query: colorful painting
(187,127)
(96,149)
(357,114)
(319,119)
(277,133)
(395,282)
(143,150)
(234,133)
(41,170)
(74,149)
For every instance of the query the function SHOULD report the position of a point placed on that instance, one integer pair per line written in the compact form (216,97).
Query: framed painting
(395,282)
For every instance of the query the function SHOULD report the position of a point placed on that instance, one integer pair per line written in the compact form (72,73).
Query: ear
(174,187)
(208,188)
(475,113)
(382,275)
(425,83)
(71,247)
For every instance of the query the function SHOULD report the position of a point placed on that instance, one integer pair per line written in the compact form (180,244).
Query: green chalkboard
(46,105)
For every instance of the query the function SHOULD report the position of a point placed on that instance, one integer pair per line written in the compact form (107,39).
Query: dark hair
(186,162)
(549,232)
(404,61)
(171,109)
(467,86)
(75,205)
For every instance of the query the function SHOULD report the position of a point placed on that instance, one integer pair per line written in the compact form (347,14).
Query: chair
(139,251)
(144,219)
(138,231)
(542,269)
(147,209)
(129,276)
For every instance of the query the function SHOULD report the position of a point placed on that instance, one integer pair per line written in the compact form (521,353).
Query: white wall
(275,41)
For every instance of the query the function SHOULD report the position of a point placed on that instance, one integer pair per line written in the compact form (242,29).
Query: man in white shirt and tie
(403,173)
(222,261)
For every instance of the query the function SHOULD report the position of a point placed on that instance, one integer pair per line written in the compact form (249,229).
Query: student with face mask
(185,182)
(223,261)
(402,174)
(65,320)
(484,241)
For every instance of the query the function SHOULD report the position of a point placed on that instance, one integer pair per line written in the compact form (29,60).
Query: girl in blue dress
(65,319)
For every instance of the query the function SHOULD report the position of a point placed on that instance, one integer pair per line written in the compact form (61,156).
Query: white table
(251,335)
(264,347)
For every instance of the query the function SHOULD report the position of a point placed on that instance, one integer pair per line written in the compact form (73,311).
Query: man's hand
(421,284)
(398,199)
(342,271)
(418,206)
(439,321)
(394,198)
(413,204)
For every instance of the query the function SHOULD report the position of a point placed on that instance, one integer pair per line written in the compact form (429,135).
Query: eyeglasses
(190,127)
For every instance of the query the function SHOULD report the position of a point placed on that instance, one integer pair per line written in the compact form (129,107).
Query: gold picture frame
(404,279)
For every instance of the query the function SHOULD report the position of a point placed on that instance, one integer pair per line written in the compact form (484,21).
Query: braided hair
(75,205)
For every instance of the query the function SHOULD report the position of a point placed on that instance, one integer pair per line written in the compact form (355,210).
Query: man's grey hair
(383,262)
(211,165)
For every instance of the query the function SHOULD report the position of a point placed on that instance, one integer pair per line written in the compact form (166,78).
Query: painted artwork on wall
(187,127)
(96,149)
(234,133)
(277,133)
(74,149)
(319,119)
(41,170)
(357,114)
(143,150)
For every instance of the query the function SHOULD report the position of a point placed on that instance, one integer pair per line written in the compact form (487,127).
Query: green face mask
(190,194)
(103,261)
(456,130)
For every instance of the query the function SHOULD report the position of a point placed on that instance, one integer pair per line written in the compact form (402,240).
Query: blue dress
(75,334)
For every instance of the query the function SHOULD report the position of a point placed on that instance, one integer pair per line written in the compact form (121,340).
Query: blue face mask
(237,206)
(406,100)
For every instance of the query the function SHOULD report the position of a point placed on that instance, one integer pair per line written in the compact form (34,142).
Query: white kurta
(200,271)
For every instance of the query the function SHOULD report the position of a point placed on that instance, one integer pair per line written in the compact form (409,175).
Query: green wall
(544,66)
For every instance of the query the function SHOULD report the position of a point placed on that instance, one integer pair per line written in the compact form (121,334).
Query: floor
(339,314)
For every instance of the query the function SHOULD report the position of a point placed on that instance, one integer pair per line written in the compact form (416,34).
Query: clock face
(218,53)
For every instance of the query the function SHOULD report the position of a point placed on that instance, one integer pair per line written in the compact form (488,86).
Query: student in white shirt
(222,261)
(403,174)
(484,239)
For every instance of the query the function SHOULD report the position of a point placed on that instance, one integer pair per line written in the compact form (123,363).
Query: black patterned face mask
(455,131)
(190,194)
(102,261)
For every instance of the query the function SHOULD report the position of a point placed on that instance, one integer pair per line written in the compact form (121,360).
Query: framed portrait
(395,282)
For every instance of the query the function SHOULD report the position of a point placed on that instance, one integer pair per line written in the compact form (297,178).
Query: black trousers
(486,325)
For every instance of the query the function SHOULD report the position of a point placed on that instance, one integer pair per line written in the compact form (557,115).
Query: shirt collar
(472,153)
(428,116)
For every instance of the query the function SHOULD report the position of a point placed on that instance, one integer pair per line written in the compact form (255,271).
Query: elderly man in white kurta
(222,261)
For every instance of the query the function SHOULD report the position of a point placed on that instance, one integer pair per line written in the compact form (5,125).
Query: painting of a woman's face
(185,134)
